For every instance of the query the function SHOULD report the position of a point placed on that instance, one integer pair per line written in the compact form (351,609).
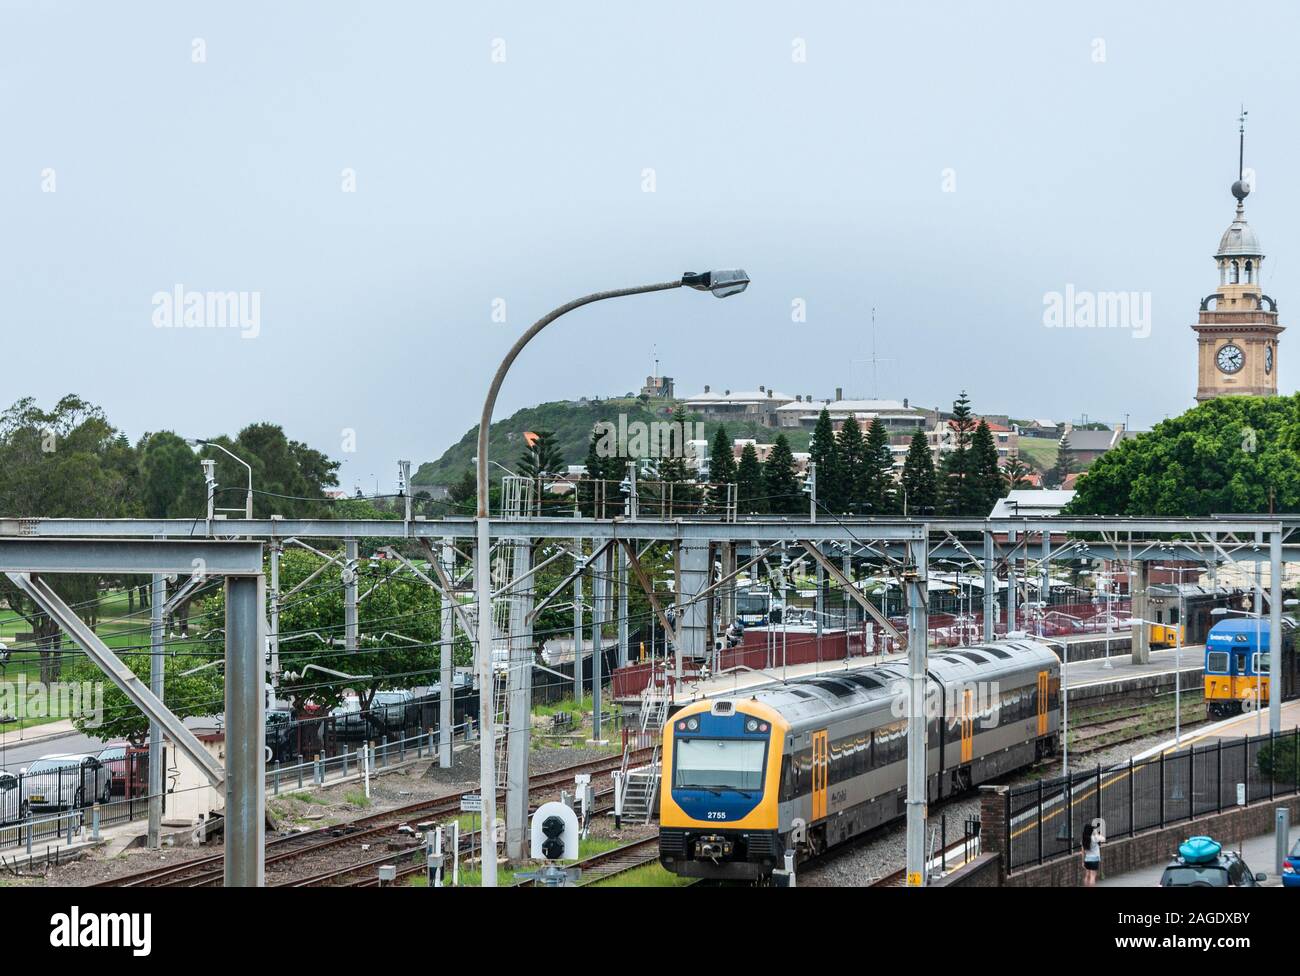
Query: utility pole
(446,674)
(157,607)
(597,618)
(519,685)
(990,587)
(351,632)
(577,623)
(918,622)
(276,550)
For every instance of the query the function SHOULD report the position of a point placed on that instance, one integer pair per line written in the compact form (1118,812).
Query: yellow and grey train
(812,762)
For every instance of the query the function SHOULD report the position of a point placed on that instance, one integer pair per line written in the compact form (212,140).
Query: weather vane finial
(1241,147)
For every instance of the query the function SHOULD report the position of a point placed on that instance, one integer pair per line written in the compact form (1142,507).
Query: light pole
(1178,650)
(248,498)
(722,284)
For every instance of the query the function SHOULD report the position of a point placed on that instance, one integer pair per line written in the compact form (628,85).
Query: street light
(721,283)
(248,499)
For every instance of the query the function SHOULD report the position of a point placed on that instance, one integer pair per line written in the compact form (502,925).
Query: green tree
(954,468)
(854,472)
(1055,476)
(780,483)
(171,478)
(681,493)
(985,484)
(540,458)
(920,483)
(879,463)
(199,694)
(751,492)
(1018,474)
(824,452)
(722,469)
(1232,454)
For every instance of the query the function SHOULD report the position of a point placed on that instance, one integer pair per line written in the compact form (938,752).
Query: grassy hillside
(572,422)
(1041,452)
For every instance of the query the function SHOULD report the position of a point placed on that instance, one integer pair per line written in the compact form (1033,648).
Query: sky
(396,191)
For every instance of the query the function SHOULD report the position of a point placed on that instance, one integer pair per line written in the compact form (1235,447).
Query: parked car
(1291,868)
(127,767)
(64,782)
(1202,863)
(11,806)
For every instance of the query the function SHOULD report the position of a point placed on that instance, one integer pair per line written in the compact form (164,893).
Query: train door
(967,726)
(819,763)
(1042,702)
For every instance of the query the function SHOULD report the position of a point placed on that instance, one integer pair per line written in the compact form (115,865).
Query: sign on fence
(472,803)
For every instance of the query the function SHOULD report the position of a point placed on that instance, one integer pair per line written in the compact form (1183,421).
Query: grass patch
(646,876)
(357,798)
(582,707)
(1041,452)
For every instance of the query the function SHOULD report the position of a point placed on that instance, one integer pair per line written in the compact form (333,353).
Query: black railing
(1045,820)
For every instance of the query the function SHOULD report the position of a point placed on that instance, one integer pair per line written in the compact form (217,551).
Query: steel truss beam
(121,675)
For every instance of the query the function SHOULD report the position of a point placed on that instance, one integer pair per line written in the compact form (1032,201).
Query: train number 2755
(716,815)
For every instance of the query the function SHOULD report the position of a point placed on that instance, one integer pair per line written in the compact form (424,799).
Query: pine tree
(824,452)
(879,463)
(603,477)
(985,485)
(954,468)
(780,483)
(750,491)
(722,469)
(853,466)
(681,496)
(1064,466)
(540,458)
(919,481)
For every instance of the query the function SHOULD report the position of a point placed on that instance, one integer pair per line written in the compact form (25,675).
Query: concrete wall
(983,872)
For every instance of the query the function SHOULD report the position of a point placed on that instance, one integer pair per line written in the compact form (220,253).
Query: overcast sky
(377,175)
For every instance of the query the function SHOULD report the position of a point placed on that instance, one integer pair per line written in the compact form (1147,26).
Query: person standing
(1092,841)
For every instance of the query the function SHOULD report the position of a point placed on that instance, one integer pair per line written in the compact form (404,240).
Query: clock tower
(1237,331)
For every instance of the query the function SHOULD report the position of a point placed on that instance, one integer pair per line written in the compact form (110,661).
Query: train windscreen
(718,764)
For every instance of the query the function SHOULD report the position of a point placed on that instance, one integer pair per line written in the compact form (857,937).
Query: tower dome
(1240,238)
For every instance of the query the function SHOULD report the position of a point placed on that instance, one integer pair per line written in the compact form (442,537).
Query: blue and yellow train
(812,762)
(1238,666)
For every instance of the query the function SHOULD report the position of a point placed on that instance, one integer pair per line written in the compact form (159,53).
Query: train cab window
(1260,662)
(1240,667)
(1216,662)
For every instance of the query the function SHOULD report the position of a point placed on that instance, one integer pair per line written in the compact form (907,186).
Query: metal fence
(1045,820)
(54,797)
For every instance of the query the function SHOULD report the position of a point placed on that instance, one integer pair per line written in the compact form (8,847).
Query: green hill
(572,422)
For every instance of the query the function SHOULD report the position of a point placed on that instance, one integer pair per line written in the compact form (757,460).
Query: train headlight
(692,724)
(681,726)
(762,726)
(751,725)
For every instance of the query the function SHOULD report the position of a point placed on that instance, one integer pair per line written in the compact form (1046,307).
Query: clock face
(1268,359)
(1230,358)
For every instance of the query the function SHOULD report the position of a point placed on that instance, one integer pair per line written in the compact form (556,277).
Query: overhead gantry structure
(709,555)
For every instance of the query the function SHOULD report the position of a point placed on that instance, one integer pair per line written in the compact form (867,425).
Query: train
(1237,678)
(1196,603)
(815,761)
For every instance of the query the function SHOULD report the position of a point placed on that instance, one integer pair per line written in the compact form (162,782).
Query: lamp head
(723,283)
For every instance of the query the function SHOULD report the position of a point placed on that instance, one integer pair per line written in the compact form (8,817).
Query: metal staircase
(641,785)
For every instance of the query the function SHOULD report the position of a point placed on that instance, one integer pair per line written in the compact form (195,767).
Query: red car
(128,767)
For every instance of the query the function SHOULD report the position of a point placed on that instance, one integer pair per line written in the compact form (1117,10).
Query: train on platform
(813,762)
(1238,666)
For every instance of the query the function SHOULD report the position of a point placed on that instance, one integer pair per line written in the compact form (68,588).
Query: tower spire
(1241,189)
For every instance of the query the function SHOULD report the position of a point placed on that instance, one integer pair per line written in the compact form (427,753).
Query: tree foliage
(1232,454)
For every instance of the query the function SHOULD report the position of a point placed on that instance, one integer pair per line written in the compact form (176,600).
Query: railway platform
(1257,851)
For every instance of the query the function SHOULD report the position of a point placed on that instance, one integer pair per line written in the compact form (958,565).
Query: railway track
(209,871)
(616,861)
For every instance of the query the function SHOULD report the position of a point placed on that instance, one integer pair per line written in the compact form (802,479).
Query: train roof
(816,694)
(1247,626)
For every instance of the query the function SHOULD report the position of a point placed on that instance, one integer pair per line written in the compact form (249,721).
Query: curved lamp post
(721,284)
